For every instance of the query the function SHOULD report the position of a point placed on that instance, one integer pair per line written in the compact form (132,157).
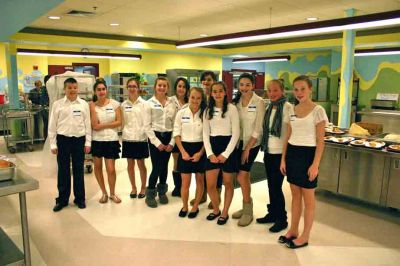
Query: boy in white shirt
(70,137)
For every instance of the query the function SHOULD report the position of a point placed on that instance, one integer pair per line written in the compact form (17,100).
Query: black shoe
(222,220)
(182,213)
(278,226)
(212,216)
(284,239)
(193,215)
(292,245)
(81,205)
(59,207)
(133,195)
(267,219)
(176,192)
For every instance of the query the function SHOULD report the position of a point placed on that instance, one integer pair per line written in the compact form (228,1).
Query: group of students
(208,137)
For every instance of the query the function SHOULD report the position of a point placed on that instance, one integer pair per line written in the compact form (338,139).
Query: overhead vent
(82,14)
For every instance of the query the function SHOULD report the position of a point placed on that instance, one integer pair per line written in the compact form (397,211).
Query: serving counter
(370,175)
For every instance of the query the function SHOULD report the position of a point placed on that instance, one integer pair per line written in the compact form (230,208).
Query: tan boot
(238,214)
(203,198)
(247,216)
(210,205)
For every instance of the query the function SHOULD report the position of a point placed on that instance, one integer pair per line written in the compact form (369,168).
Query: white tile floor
(344,232)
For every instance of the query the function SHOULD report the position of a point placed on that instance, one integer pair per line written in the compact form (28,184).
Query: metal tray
(7,173)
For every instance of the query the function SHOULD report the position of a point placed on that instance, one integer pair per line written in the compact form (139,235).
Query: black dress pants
(70,148)
(159,160)
(276,207)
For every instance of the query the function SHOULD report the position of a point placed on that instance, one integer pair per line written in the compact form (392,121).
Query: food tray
(394,148)
(342,140)
(7,173)
(380,145)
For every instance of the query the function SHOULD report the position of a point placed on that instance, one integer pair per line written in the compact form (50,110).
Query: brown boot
(203,198)
(210,205)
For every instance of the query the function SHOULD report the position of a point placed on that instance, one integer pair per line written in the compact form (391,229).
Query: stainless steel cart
(25,137)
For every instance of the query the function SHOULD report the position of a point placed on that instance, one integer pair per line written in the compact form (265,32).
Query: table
(20,184)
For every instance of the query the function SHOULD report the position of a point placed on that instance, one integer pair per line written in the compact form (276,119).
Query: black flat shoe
(133,195)
(212,216)
(267,219)
(59,207)
(193,215)
(182,213)
(141,196)
(278,226)
(292,245)
(81,205)
(284,239)
(222,220)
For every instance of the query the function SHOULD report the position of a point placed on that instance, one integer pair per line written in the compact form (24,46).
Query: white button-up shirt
(250,116)
(179,106)
(159,118)
(221,126)
(132,116)
(106,114)
(70,119)
(188,126)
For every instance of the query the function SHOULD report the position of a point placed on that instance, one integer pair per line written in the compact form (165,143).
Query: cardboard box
(373,129)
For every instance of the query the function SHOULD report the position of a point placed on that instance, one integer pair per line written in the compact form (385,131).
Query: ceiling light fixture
(320,27)
(203,35)
(312,19)
(114,24)
(77,54)
(261,59)
(54,17)
(139,35)
(377,51)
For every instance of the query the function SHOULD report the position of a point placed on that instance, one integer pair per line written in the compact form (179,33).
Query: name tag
(157,106)
(128,109)
(109,110)
(251,108)
(215,113)
(76,113)
(185,119)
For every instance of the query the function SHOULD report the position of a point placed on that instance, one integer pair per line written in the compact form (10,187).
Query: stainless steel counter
(21,184)
(366,174)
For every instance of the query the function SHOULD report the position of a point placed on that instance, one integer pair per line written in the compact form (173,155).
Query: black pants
(44,115)
(70,147)
(275,178)
(159,160)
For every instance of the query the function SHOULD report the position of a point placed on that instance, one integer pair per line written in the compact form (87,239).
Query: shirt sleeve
(206,134)
(235,124)
(320,115)
(88,126)
(178,124)
(52,128)
(115,104)
(258,127)
(147,125)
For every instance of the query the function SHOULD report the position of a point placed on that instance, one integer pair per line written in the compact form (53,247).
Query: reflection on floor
(344,232)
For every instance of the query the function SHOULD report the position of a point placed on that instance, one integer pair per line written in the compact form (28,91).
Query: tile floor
(344,233)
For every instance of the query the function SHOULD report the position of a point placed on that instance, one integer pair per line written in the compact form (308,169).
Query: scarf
(275,129)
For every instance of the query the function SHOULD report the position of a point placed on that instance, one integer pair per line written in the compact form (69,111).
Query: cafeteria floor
(344,232)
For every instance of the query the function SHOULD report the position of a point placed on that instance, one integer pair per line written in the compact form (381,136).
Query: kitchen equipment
(383,104)
(8,173)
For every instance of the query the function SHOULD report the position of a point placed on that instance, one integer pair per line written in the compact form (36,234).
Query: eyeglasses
(132,87)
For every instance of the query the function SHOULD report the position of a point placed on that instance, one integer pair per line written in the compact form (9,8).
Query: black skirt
(218,145)
(298,160)
(106,149)
(252,156)
(188,166)
(175,149)
(135,150)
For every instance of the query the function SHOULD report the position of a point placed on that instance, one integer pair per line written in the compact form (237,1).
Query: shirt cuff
(53,146)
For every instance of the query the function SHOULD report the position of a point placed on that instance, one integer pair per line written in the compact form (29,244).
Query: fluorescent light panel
(378,51)
(77,54)
(321,27)
(261,59)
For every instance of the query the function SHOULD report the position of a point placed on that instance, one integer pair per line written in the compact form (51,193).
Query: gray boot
(162,190)
(150,200)
(238,214)
(247,216)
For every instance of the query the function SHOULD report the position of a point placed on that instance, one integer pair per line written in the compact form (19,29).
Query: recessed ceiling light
(139,35)
(203,35)
(54,17)
(238,56)
(312,19)
(114,24)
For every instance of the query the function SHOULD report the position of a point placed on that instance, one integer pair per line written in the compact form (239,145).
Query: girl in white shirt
(273,129)
(301,156)
(188,133)
(106,118)
(181,90)
(251,109)
(159,118)
(221,131)
(134,138)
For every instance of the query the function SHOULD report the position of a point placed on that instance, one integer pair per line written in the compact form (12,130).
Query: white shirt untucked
(132,116)
(188,126)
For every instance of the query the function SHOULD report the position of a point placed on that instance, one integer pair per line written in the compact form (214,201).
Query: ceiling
(187,19)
